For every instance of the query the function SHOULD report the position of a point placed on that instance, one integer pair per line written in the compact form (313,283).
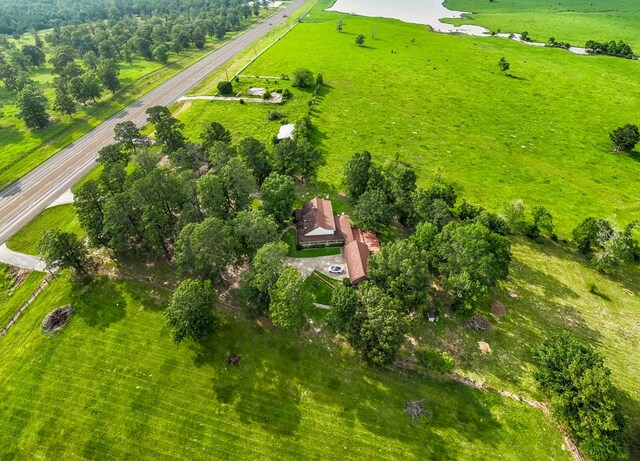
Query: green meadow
(442,104)
(112,385)
(573,21)
(546,293)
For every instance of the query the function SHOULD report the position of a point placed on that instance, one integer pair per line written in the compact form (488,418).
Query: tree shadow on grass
(276,370)
(100,304)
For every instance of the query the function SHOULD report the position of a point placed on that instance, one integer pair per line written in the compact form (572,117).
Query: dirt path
(573,448)
(23,261)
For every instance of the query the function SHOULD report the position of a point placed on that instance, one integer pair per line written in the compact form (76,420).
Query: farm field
(23,150)
(442,104)
(129,392)
(573,21)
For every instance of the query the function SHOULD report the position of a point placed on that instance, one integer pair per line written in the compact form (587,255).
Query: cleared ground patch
(113,385)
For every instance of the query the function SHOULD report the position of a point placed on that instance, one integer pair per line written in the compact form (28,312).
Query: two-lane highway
(27,197)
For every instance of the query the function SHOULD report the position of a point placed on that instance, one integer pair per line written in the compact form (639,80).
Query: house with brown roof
(318,226)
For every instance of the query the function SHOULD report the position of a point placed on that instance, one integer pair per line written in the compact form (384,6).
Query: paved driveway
(321,264)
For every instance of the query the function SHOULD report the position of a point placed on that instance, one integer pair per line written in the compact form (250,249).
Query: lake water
(427,12)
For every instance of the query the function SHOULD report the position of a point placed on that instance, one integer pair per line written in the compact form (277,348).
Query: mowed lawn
(111,385)
(547,292)
(15,290)
(61,217)
(442,104)
(573,21)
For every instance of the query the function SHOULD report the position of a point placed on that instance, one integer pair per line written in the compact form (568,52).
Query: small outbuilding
(286,131)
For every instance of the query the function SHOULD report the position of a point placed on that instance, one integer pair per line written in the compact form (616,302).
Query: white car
(336,270)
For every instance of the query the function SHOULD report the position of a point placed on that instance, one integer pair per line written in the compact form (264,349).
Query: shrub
(435,360)
(286,94)
(241,101)
(531,230)
(225,88)
(276,116)
(266,95)
(592,287)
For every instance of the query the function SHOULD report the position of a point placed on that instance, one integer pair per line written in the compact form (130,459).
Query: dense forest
(18,17)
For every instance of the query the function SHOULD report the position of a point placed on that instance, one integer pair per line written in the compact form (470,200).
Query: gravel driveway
(321,264)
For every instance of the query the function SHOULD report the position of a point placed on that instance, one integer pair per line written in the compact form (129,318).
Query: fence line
(29,301)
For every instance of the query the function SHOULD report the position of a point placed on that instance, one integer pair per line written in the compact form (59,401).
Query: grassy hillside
(442,104)
(573,21)
(547,293)
(111,384)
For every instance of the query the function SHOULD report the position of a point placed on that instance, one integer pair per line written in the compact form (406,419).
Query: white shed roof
(286,131)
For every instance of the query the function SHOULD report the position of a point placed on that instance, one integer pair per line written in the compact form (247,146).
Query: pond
(427,12)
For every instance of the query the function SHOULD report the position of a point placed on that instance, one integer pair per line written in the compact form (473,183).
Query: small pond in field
(427,12)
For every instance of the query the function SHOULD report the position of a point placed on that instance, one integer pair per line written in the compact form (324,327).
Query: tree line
(86,57)
(15,19)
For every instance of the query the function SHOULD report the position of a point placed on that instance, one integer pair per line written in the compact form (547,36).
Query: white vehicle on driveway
(336,270)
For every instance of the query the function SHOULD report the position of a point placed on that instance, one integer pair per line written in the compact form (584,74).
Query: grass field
(112,385)
(550,282)
(62,217)
(573,21)
(442,104)
(14,291)
(22,150)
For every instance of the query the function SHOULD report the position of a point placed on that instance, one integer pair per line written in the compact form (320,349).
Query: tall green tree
(64,250)
(582,396)
(373,211)
(288,302)
(402,270)
(278,196)
(205,250)
(356,175)
(379,326)
(214,132)
(253,229)
(64,102)
(126,134)
(109,74)
(89,202)
(256,156)
(167,128)
(32,108)
(471,259)
(625,138)
(190,313)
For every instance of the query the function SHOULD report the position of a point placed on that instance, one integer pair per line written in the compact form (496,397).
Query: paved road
(27,197)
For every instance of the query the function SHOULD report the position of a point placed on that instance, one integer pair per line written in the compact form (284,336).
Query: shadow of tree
(100,304)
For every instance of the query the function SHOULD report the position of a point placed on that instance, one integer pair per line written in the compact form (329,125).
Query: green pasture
(112,385)
(547,292)
(441,103)
(573,21)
